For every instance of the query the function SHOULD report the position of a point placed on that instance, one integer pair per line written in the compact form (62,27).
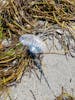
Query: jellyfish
(36,47)
(35,44)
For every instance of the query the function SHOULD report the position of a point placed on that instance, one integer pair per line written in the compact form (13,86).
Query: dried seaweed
(65,96)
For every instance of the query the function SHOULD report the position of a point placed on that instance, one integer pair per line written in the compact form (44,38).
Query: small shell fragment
(60,31)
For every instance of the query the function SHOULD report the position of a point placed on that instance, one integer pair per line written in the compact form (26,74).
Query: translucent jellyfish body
(35,44)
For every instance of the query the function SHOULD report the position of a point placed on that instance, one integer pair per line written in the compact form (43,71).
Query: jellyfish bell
(34,43)
(36,46)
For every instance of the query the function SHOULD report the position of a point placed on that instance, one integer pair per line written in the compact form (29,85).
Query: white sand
(58,71)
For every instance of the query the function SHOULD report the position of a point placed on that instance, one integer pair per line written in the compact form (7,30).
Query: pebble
(6,42)
(15,62)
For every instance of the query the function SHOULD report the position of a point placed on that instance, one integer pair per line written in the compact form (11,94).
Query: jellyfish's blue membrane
(35,49)
(32,42)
